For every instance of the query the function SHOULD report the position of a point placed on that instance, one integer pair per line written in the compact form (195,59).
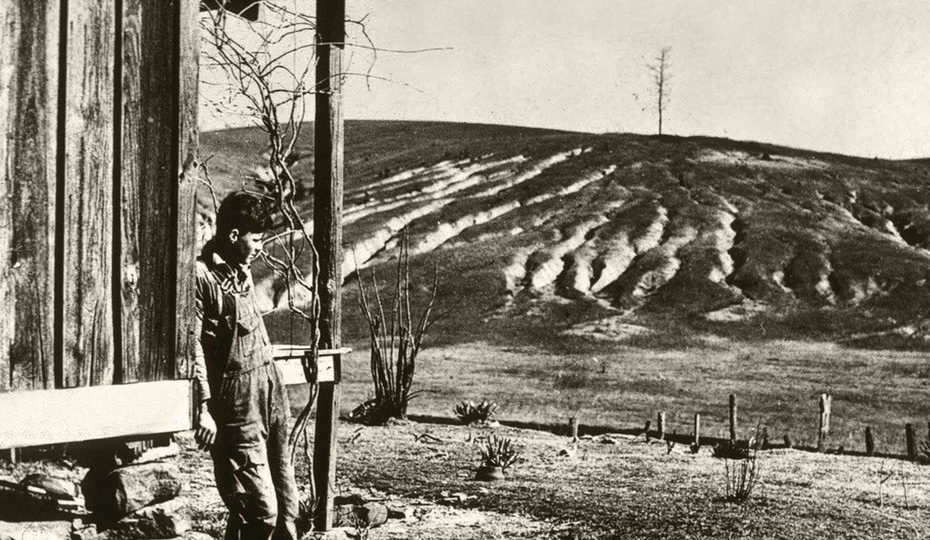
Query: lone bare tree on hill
(660,78)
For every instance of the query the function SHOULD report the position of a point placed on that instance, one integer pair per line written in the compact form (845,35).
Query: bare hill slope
(561,237)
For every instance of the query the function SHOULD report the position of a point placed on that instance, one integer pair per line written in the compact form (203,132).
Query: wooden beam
(87,245)
(329,367)
(250,10)
(29,50)
(125,410)
(187,170)
(95,412)
(327,226)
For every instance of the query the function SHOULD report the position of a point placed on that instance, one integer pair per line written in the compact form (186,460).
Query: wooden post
(697,430)
(869,442)
(327,237)
(732,418)
(911,441)
(646,430)
(826,400)
(660,425)
(573,427)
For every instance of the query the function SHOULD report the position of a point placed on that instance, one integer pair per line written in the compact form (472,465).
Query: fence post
(911,441)
(660,425)
(573,427)
(697,430)
(826,400)
(646,430)
(733,418)
(869,442)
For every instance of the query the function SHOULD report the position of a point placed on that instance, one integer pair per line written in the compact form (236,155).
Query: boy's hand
(206,430)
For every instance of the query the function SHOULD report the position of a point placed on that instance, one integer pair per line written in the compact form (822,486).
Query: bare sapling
(660,69)
(396,338)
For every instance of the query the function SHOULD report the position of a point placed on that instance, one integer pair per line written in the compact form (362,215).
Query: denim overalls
(251,459)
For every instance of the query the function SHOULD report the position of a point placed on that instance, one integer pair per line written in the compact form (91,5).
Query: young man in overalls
(244,410)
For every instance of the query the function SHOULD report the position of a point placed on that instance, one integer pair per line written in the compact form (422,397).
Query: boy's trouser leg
(240,456)
(243,479)
(279,461)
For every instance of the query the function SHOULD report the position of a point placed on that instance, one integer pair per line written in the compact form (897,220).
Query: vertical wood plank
(187,169)
(823,432)
(147,186)
(911,441)
(328,146)
(28,153)
(732,418)
(87,333)
(697,430)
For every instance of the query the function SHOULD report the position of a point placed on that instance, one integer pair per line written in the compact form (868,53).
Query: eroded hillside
(621,236)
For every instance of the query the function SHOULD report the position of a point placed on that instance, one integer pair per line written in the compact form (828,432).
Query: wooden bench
(134,410)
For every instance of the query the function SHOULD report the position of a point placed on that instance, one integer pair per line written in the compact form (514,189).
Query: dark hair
(244,211)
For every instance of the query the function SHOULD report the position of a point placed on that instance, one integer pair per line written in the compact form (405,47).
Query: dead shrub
(741,466)
(742,476)
(396,340)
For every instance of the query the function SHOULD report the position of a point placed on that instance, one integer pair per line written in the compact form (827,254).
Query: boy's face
(245,247)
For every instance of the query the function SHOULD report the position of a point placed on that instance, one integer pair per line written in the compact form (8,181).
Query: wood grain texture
(149,90)
(28,153)
(87,333)
(188,169)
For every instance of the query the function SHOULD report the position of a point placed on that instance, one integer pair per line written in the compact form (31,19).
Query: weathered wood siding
(97,198)
(87,240)
(188,170)
(28,154)
(149,184)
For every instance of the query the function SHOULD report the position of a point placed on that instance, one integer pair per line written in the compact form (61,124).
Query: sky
(846,76)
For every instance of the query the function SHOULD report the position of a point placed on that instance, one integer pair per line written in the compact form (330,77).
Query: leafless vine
(266,67)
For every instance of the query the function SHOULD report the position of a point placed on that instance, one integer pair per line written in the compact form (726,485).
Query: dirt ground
(624,487)
(610,486)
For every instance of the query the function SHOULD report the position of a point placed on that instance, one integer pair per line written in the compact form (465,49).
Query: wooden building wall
(98,102)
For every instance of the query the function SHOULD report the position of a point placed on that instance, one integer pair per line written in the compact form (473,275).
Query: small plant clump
(742,476)
(741,465)
(470,413)
(499,452)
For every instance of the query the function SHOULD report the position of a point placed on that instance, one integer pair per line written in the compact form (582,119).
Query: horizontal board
(288,358)
(102,412)
(283,351)
(96,412)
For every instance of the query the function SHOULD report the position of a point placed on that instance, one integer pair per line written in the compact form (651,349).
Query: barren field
(777,385)
(613,277)
(624,275)
(610,486)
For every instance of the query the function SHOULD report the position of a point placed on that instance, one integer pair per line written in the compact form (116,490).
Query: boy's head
(241,224)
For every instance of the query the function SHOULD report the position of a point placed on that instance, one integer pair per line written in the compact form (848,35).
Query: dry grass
(776,383)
